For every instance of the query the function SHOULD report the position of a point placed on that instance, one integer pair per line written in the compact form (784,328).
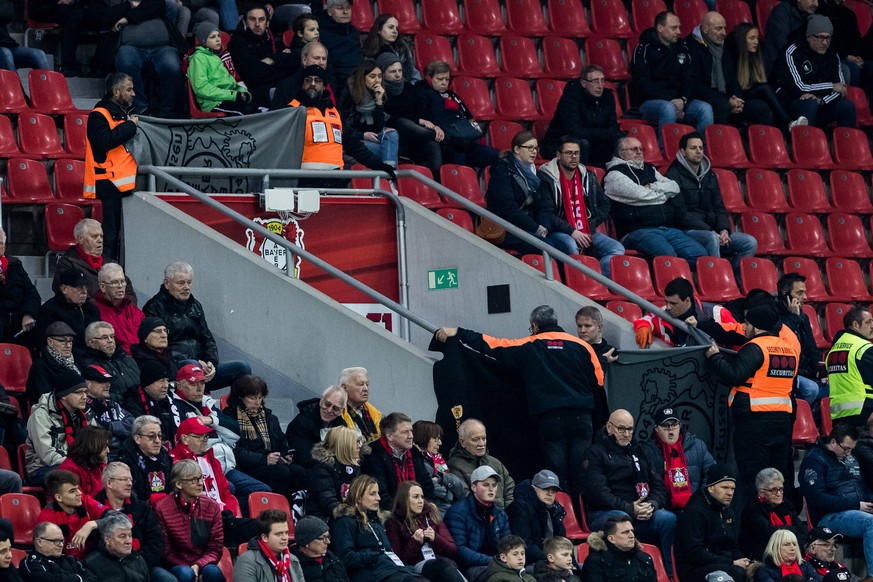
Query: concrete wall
(298,338)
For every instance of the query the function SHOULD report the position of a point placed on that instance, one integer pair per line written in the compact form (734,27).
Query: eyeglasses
(193,479)
(669,425)
(103,338)
(122,479)
(774,490)
(597,81)
(80,392)
(847,450)
(67,341)
(331,407)
(153,436)
(116,284)
(621,429)
(822,37)
(59,542)
(199,437)
(324,538)
(530,148)
(575,154)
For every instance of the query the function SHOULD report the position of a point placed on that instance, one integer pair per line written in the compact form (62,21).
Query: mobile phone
(289,453)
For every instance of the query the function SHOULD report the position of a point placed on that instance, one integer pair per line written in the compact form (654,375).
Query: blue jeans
(741,245)
(821,115)
(665,242)
(662,526)
(22,58)
(604,249)
(853,524)
(209,573)
(387,146)
(225,372)
(164,60)
(242,485)
(697,113)
(158,574)
(807,389)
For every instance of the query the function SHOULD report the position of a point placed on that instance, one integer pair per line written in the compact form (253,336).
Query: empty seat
(549,93)
(575,530)
(60,219)
(75,134)
(625,309)
(418,191)
(484,17)
(846,280)
(22,510)
(518,57)
(730,190)
(362,15)
(815,289)
(633,274)
(849,192)
(476,56)
(646,135)
(38,136)
(763,227)
(525,17)
(767,147)
(500,134)
(14,367)
(459,217)
(644,13)
(464,181)
(538,263)
(804,433)
(11,94)
(606,52)
(671,133)
(764,191)
(724,145)
(809,148)
(585,285)
(404,12)
(49,93)
(475,95)
(758,273)
(8,146)
(715,280)
(561,57)
(805,235)
(806,192)
(432,47)
(665,269)
(441,17)
(28,182)
(609,19)
(514,99)
(734,12)
(817,333)
(847,236)
(834,313)
(763,8)
(862,106)
(567,18)
(70,180)
(690,13)
(851,149)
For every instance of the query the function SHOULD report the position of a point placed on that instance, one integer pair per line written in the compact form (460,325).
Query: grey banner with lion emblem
(264,140)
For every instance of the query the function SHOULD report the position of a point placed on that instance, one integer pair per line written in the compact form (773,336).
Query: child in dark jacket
(508,564)
(558,565)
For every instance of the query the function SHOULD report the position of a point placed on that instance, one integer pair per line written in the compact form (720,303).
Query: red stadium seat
(404,12)
(28,182)
(518,56)
(38,136)
(763,8)
(582,551)
(606,53)
(459,217)
(585,285)
(417,191)
(764,191)
(851,149)
(625,309)
(525,17)
(846,280)
(514,99)
(849,192)
(660,570)
(834,313)
(862,106)
(806,192)
(633,274)
(804,432)
(463,180)
(863,14)
(671,133)
(567,18)
(362,15)
(11,94)
(8,146)
(500,134)
(646,135)
(476,56)
(225,564)
(815,289)
(809,148)
(724,145)
(49,93)
(432,47)
(730,190)
(847,236)
(193,107)
(75,132)
(715,280)
(767,147)
(575,531)
(539,128)
(537,262)
(60,219)
(827,423)
(817,334)
(259,501)
(665,269)
(441,17)
(69,180)
(805,235)
(484,17)
(734,12)
(475,95)
(644,13)
(609,19)
(763,227)
(690,13)
(561,57)
(549,93)
(14,367)
(758,273)
(22,510)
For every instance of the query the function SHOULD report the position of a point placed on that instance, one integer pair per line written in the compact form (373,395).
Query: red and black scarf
(574,202)
(792,568)
(403,466)
(676,477)
(364,422)
(281,565)
(72,423)
(775,518)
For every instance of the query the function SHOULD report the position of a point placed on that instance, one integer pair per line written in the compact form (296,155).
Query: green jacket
(498,571)
(210,80)
(463,463)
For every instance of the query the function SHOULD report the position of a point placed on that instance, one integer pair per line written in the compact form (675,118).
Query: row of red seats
(49,93)
(805,236)
(38,136)
(28,182)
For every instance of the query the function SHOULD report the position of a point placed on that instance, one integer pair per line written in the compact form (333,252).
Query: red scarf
(4,265)
(95,262)
(70,426)
(775,518)
(676,476)
(404,468)
(792,568)
(574,202)
(281,567)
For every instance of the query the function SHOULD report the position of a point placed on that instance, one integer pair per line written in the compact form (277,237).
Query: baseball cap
(191,373)
(545,479)
(825,534)
(97,373)
(719,576)
(663,415)
(482,473)
(192,426)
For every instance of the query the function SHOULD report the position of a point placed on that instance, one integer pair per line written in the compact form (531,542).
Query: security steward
(763,374)
(110,169)
(850,369)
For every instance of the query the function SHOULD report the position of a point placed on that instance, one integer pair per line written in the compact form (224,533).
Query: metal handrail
(402,310)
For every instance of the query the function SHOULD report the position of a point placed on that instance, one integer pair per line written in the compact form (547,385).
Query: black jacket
(147,534)
(18,297)
(610,476)
(328,478)
(77,317)
(38,568)
(328,569)
(190,338)
(251,454)
(784,20)
(801,70)
(125,372)
(248,49)
(606,563)
(799,324)
(71,259)
(510,197)
(828,484)
(137,402)
(529,518)
(343,43)
(108,568)
(597,204)
(362,549)
(149,475)
(701,70)
(704,206)
(405,104)
(707,534)
(864,453)
(102,139)
(44,373)
(141,353)
(381,465)
(584,117)
(757,527)
(659,71)
(353,121)
(770,572)
(844,19)
(304,431)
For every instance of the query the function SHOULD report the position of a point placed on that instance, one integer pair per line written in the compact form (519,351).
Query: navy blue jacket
(827,485)
(529,518)
(470,531)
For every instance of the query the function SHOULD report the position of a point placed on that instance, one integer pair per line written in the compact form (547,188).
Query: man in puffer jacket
(617,556)
(535,515)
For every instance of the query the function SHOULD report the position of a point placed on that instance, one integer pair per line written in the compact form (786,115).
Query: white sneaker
(798,122)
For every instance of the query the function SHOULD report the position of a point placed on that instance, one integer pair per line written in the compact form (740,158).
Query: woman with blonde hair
(337,463)
(782,557)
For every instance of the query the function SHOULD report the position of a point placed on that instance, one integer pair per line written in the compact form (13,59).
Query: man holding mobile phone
(791,290)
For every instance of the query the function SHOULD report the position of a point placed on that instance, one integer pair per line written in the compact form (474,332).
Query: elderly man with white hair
(116,307)
(115,559)
(316,417)
(102,349)
(359,413)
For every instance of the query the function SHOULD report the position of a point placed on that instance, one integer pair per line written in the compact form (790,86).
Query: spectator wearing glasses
(46,562)
(148,460)
(316,417)
(769,511)
(103,351)
(78,515)
(56,361)
(342,39)
(821,551)
(72,305)
(312,538)
(116,307)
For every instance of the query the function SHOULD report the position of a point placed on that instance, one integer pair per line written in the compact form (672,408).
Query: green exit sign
(442,279)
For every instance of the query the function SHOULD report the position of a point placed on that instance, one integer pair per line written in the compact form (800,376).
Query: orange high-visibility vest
(323,142)
(770,388)
(119,167)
